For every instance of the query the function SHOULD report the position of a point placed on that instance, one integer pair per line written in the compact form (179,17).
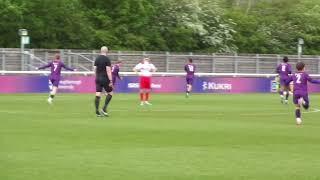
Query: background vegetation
(243,26)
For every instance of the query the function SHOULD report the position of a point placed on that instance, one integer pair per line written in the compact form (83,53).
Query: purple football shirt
(300,82)
(284,69)
(190,69)
(115,71)
(56,67)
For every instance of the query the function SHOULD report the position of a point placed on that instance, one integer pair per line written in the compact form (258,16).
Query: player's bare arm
(109,73)
(154,69)
(44,67)
(95,70)
(135,70)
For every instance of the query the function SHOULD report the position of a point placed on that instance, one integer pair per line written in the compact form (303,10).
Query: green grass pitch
(205,137)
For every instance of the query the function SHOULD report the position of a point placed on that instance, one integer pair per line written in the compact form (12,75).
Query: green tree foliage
(120,24)
(193,25)
(274,26)
(306,16)
(265,28)
(57,24)
(243,26)
(11,20)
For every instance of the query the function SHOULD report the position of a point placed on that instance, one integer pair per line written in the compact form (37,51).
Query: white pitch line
(284,113)
(314,110)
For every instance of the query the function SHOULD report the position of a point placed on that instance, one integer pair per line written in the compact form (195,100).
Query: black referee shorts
(103,83)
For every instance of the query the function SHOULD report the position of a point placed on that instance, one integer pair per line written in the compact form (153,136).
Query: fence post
(76,62)
(31,58)
(46,56)
(191,55)
(62,54)
(93,57)
(278,59)
(236,63)
(318,64)
(22,60)
(118,55)
(143,54)
(69,58)
(213,63)
(257,64)
(3,60)
(167,61)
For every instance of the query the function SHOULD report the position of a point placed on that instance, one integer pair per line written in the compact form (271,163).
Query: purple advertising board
(130,84)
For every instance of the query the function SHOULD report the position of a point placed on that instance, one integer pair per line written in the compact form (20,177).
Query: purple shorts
(114,79)
(55,82)
(297,96)
(189,80)
(284,82)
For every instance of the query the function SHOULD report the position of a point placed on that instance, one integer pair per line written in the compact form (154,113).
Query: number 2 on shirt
(283,68)
(191,68)
(298,76)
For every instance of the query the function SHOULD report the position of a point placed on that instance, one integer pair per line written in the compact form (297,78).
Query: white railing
(86,73)
(12,59)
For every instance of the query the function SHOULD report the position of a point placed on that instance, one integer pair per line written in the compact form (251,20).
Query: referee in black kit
(102,69)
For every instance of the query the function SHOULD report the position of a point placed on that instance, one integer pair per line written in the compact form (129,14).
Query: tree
(11,14)
(265,28)
(244,26)
(306,16)
(57,24)
(197,25)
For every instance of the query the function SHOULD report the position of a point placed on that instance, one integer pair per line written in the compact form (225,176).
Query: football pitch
(204,137)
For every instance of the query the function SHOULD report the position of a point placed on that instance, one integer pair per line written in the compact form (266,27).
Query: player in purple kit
(115,72)
(190,70)
(56,66)
(284,70)
(300,90)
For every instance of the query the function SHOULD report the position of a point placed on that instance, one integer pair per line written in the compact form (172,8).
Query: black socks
(298,113)
(97,102)
(106,103)
(287,95)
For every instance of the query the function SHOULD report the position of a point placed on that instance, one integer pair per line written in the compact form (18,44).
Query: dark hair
(285,59)
(190,60)
(300,66)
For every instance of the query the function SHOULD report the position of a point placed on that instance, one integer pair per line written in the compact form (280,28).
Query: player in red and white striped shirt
(145,69)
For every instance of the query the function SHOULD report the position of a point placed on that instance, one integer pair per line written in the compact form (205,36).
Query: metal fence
(14,60)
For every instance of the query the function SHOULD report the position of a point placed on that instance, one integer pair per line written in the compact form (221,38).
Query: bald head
(104,50)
